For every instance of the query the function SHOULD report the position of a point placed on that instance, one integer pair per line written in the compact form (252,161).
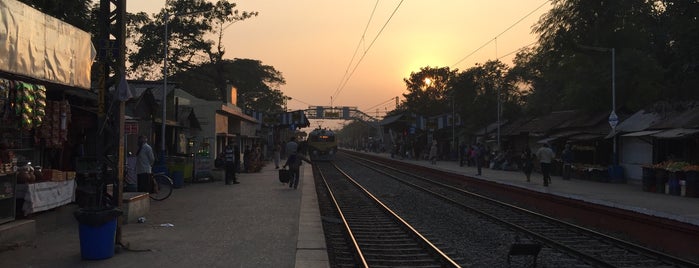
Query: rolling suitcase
(284,175)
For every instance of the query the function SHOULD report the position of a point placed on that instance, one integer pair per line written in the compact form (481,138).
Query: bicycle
(163,187)
(160,181)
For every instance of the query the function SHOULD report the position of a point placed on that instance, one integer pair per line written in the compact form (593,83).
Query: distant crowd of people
(479,155)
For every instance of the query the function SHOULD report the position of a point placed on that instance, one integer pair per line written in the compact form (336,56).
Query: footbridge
(341,113)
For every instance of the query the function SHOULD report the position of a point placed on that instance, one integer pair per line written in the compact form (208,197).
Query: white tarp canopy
(42,47)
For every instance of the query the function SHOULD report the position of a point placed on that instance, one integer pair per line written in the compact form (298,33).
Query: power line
(367,50)
(361,40)
(495,38)
(372,107)
(516,50)
(295,99)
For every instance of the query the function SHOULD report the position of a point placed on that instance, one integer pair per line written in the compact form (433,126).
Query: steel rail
(344,220)
(660,256)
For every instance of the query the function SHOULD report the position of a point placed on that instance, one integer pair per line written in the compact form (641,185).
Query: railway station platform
(618,195)
(257,223)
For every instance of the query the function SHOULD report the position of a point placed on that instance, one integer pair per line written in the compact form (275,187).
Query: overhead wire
(372,107)
(361,40)
(516,50)
(367,50)
(295,99)
(503,32)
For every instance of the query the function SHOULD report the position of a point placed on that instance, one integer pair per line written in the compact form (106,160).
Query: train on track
(322,145)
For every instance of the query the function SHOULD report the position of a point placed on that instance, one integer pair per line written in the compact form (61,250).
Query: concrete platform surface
(257,223)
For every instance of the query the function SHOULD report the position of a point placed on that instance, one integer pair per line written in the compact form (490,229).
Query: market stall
(43,60)
(203,162)
(8,185)
(33,139)
(671,177)
(45,195)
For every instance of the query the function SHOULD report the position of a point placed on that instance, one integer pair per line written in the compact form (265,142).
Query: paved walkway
(262,223)
(623,196)
(257,223)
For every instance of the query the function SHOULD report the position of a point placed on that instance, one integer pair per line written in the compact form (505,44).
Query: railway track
(590,247)
(366,233)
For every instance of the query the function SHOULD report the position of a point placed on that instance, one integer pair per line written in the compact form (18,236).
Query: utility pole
(112,60)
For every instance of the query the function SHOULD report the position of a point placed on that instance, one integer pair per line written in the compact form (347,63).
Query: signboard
(346,112)
(131,128)
(202,167)
(613,119)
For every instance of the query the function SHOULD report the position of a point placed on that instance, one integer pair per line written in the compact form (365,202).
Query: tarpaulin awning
(676,133)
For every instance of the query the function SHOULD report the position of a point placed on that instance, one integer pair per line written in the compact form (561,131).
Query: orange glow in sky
(312,43)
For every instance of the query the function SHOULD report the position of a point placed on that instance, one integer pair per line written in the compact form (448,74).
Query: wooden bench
(134,205)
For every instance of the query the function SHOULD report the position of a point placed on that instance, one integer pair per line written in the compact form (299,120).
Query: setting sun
(428,81)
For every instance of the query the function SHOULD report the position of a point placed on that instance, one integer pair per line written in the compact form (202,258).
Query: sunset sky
(312,42)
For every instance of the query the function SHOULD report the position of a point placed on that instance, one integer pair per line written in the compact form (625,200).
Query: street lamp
(613,118)
(164,94)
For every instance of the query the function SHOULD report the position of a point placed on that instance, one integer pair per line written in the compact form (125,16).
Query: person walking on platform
(545,155)
(144,164)
(294,164)
(291,147)
(433,152)
(567,157)
(277,154)
(527,163)
(231,155)
(462,154)
(247,158)
(478,154)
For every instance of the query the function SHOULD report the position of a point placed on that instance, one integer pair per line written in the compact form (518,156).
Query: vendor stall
(35,113)
(8,185)
(203,162)
(45,195)
(34,150)
(202,168)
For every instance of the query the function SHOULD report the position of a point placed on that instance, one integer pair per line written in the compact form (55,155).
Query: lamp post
(499,111)
(453,124)
(164,94)
(613,118)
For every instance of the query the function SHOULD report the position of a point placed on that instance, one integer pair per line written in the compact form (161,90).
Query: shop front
(41,130)
(39,143)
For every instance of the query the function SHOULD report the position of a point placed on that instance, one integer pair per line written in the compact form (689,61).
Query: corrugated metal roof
(641,133)
(639,121)
(585,137)
(492,127)
(390,119)
(685,119)
(675,133)
(513,129)
(584,120)
(644,120)
(548,122)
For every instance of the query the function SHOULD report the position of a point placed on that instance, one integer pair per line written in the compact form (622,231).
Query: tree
(476,93)
(355,134)
(677,36)
(257,84)
(187,45)
(577,77)
(427,90)
(76,12)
